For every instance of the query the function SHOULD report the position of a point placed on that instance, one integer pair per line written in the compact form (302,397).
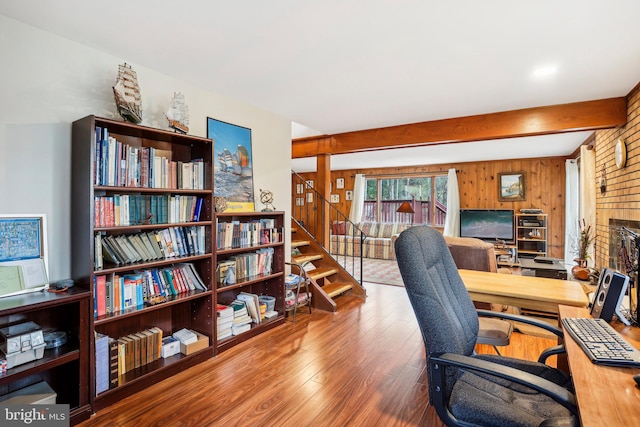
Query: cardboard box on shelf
(203,342)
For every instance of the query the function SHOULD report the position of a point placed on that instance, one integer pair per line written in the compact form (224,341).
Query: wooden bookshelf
(92,185)
(270,283)
(531,235)
(64,368)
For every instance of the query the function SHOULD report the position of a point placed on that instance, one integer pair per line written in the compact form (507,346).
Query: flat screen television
(488,224)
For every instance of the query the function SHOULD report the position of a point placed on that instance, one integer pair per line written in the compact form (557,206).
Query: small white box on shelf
(170,346)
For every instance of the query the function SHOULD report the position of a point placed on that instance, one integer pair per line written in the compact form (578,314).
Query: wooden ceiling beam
(577,116)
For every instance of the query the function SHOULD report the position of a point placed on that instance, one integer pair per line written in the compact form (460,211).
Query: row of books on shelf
(122,165)
(114,293)
(237,317)
(117,356)
(236,234)
(244,266)
(135,209)
(167,243)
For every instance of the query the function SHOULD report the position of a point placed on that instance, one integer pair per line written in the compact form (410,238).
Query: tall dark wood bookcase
(193,309)
(271,284)
(65,368)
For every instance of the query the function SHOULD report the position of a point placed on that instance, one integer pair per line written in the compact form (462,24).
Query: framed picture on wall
(233,170)
(340,183)
(512,186)
(348,195)
(309,197)
(299,188)
(335,198)
(310,183)
(299,201)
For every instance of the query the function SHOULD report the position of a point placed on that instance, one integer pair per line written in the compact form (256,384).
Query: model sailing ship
(127,94)
(178,114)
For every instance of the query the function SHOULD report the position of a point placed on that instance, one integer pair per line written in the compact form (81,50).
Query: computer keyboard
(601,343)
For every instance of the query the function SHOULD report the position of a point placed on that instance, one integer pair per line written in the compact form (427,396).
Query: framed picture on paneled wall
(511,186)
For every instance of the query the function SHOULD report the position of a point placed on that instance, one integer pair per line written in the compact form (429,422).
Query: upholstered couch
(378,242)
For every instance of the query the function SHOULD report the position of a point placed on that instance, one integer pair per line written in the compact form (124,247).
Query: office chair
(467,388)
(474,254)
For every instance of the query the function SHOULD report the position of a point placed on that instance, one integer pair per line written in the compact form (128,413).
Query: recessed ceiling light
(545,71)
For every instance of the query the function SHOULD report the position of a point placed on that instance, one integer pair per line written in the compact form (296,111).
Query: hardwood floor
(361,366)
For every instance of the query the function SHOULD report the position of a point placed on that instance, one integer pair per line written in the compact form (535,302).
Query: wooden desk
(535,293)
(607,396)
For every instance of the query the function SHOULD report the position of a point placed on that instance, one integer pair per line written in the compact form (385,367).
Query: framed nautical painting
(512,186)
(233,171)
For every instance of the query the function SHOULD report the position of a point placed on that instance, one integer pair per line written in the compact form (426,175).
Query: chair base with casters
(467,388)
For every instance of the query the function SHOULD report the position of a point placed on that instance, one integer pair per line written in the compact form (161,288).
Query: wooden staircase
(328,279)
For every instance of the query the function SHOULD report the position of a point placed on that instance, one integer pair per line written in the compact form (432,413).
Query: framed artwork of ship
(233,171)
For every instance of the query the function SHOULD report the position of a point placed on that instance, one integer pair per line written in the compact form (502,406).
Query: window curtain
(588,192)
(357,204)
(452,220)
(571,210)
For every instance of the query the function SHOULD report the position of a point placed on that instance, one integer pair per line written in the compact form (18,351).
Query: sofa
(378,238)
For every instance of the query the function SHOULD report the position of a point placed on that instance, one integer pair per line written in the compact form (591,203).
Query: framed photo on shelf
(512,186)
(340,183)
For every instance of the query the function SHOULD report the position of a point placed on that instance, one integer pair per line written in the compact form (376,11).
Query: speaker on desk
(612,287)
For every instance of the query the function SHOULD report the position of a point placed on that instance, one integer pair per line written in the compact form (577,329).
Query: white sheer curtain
(588,191)
(357,204)
(571,211)
(452,220)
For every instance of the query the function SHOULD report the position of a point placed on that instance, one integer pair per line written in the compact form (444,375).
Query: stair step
(334,289)
(319,273)
(298,243)
(301,259)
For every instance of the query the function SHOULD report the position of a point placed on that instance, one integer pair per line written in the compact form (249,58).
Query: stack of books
(241,318)
(225,321)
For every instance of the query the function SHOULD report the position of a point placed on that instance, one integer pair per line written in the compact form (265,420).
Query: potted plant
(585,240)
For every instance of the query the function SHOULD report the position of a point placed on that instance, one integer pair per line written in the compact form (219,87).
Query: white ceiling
(339,65)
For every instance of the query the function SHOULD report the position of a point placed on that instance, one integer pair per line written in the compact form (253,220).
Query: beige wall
(47,82)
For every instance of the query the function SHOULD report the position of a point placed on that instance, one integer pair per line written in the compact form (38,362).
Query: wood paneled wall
(622,198)
(478,182)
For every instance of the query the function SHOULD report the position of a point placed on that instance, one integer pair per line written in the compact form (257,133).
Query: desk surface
(607,396)
(536,293)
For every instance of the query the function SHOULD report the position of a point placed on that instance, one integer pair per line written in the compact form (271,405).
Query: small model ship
(178,114)
(127,94)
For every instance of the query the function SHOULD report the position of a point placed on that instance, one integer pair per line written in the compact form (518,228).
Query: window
(384,196)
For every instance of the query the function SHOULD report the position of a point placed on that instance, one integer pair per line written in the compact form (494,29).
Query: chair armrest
(524,319)
(546,387)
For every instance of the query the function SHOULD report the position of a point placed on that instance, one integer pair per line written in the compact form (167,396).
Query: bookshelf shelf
(128,182)
(249,281)
(137,311)
(151,264)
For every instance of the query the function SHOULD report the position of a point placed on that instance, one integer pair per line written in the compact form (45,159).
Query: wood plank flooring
(361,366)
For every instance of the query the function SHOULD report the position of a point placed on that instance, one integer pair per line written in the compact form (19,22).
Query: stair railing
(346,239)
